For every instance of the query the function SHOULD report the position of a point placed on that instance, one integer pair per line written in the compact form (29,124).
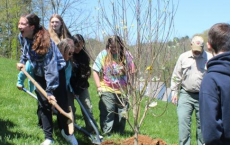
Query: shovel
(68,115)
(31,94)
(35,97)
(95,139)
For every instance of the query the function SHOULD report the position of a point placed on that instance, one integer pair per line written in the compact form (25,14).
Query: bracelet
(99,87)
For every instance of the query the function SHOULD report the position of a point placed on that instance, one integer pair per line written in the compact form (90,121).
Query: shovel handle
(35,83)
(68,115)
(31,94)
(45,94)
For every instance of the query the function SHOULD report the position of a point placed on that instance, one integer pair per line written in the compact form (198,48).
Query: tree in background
(11,10)
(9,16)
(71,11)
(145,27)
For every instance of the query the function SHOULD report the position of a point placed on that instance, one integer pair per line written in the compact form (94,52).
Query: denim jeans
(187,103)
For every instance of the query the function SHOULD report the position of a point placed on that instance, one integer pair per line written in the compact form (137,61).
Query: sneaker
(47,142)
(70,138)
(100,136)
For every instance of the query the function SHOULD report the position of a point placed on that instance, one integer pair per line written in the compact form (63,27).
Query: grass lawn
(18,118)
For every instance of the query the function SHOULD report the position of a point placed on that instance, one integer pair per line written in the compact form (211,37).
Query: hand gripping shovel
(35,97)
(68,115)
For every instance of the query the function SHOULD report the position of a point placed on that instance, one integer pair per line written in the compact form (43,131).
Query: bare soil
(142,140)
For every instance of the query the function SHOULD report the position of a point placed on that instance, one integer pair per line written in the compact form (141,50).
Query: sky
(196,16)
(193,16)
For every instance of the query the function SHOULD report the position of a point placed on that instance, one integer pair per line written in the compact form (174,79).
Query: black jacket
(81,71)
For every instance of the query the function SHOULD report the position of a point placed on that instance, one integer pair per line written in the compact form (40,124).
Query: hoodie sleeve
(209,101)
(21,79)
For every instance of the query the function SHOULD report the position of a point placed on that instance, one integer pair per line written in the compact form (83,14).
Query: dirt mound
(109,142)
(142,140)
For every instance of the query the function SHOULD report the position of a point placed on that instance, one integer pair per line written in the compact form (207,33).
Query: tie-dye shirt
(113,77)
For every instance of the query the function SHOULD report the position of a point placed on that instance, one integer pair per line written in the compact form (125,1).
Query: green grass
(18,119)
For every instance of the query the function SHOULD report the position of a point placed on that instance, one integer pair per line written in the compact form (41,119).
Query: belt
(191,92)
(194,92)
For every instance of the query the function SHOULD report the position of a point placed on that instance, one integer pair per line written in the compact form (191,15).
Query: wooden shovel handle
(68,115)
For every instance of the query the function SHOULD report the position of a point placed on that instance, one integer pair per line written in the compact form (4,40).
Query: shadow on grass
(6,134)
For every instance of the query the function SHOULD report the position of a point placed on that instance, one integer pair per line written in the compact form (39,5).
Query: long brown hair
(63,30)
(41,37)
(121,51)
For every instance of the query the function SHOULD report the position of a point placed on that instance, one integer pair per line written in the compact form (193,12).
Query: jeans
(187,103)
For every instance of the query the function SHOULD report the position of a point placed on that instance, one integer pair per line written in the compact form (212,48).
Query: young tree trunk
(136,135)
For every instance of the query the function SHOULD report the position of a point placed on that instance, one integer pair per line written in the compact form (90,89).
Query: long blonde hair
(63,29)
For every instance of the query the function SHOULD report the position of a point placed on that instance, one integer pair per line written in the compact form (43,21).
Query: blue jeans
(187,103)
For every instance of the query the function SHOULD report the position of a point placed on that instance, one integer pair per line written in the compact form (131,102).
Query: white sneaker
(47,142)
(70,138)
(101,137)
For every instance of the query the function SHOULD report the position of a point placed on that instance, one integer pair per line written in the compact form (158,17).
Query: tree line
(11,10)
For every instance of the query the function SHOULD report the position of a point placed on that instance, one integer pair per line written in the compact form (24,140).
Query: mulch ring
(142,140)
